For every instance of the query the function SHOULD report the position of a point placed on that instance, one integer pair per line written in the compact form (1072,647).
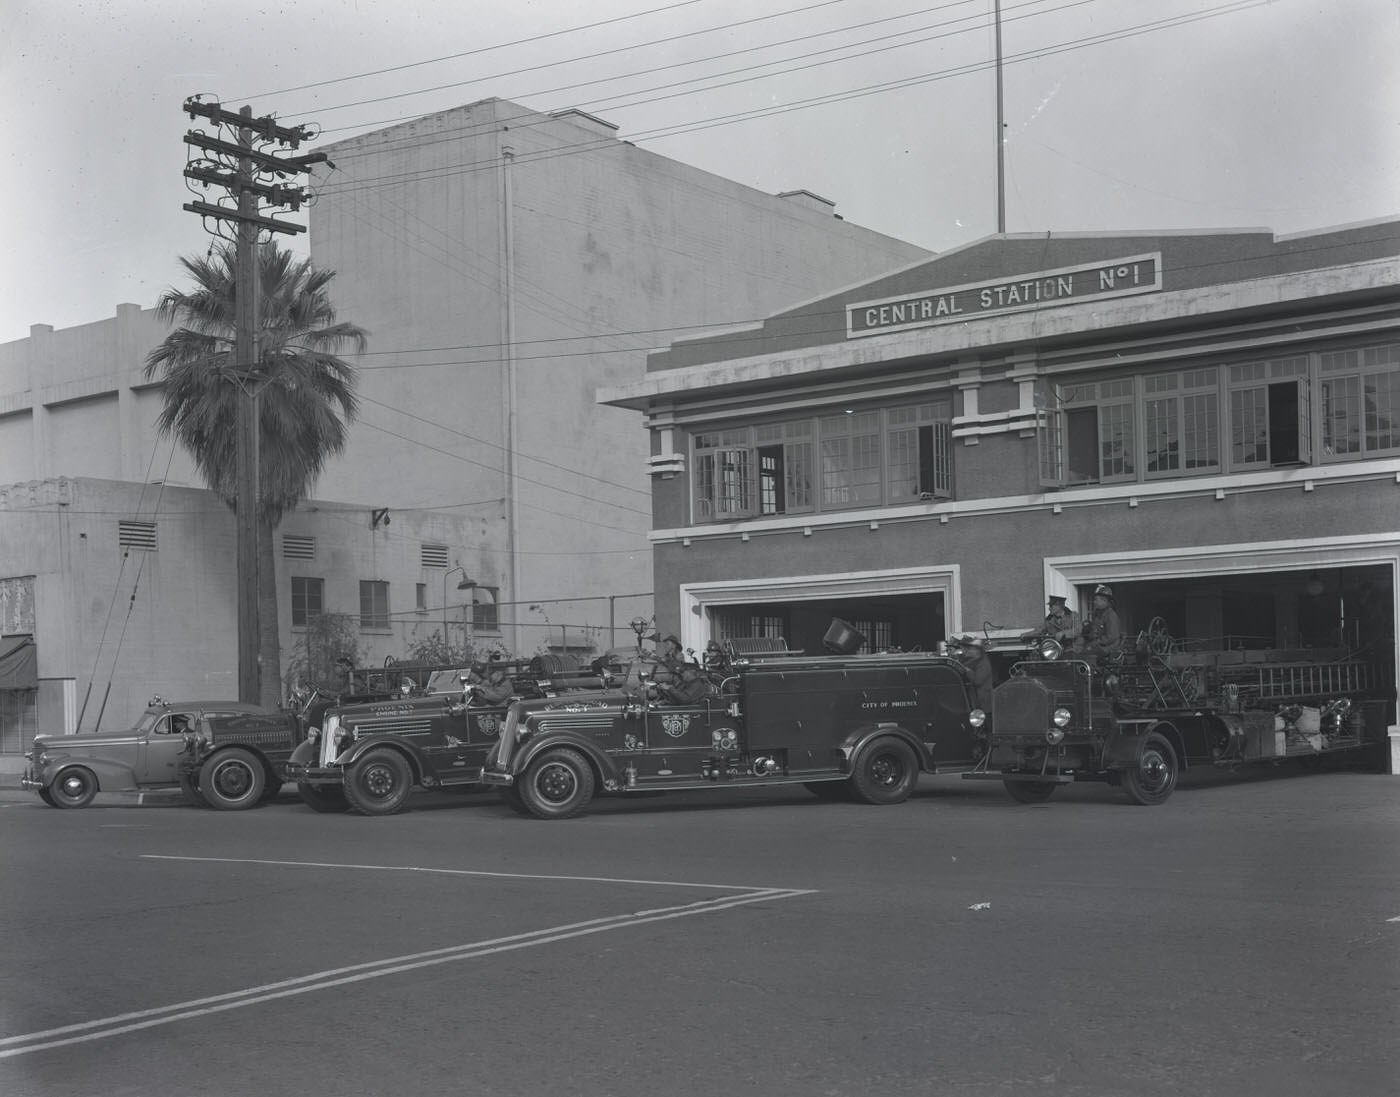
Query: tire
(556,785)
(271,792)
(831,791)
(1152,780)
(326,799)
(75,787)
(885,773)
(510,796)
(1030,792)
(47,796)
(232,780)
(379,782)
(189,788)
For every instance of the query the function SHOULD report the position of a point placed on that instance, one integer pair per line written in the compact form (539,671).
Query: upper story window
(374,604)
(308,599)
(486,609)
(1235,417)
(865,458)
(1359,402)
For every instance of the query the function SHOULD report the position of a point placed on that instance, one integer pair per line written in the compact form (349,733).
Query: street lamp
(467,583)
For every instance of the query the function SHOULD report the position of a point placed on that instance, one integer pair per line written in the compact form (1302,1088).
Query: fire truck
(843,725)
(368,754)
(1138,720)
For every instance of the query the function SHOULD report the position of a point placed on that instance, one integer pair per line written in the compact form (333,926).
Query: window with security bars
(744,622)
(485,609)
(867,458)
(308,596)
(374,604)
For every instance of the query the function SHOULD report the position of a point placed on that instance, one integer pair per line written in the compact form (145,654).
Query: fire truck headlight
(977,718)
(1049,649)
(1054,735)
(1062,717)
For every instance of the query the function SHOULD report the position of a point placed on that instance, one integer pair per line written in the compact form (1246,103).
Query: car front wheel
(73,788)
(232,780)
(379,783)
(1152,780)
(557,785)
(885,773)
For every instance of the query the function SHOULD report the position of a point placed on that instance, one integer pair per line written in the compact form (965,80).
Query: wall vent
(433,556)
(295,547)
(137,535)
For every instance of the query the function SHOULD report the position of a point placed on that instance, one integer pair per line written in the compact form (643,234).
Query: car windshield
(148,720)
(445,681)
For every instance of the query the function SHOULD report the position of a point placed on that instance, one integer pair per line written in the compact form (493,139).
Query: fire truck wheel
(829,790)
(885,772)
(1030,792)
(557,785)
(189,789)
(232,780)
(510,796)
(326,799)
(379,783)
(75,787)
(1154,777)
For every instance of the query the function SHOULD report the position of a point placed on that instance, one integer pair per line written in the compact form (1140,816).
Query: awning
(19,663)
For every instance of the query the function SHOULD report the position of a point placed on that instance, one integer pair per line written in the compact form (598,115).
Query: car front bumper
(313,775)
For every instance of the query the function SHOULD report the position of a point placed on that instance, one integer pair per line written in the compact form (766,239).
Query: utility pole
(1001,134)
(240,167)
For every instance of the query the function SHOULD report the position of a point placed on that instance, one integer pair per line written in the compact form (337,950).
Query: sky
(1119,115)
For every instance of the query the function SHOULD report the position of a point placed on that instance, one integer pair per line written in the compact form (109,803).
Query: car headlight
(977,718)
(1054,736)
(1062,717)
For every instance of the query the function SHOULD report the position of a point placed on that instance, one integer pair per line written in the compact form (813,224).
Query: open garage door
(1318,601)
(910,622)
(911,609)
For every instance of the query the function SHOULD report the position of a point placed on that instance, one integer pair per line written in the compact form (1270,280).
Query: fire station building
(1206,422)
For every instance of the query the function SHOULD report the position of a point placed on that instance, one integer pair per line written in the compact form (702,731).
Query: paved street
(1243,939)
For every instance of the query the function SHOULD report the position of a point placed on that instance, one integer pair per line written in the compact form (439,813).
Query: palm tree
(305,395)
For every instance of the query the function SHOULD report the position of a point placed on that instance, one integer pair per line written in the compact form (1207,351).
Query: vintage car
(221,754)
(1138,721)
(860,726)
(369,757)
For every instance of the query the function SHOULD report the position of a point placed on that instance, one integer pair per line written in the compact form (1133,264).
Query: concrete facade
(505,264)
(1208,422)
(509,263)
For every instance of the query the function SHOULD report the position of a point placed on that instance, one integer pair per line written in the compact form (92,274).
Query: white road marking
(455,872)
(102,1028)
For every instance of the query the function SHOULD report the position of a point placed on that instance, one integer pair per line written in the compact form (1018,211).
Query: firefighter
(1061,623)
(691,688)
(972,653)
(1103,634)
